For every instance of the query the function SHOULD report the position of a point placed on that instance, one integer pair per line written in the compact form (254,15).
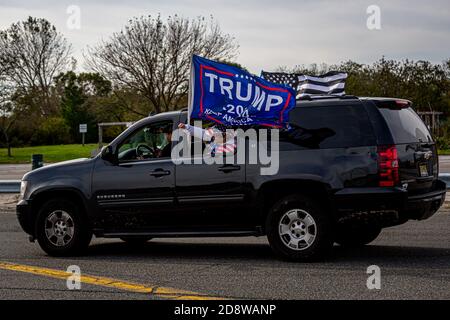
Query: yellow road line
(160,292)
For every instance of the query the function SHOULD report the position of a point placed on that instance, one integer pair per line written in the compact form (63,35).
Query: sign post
(83,130)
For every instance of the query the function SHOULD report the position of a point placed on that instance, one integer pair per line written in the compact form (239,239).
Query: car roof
(169,115)
(316,100)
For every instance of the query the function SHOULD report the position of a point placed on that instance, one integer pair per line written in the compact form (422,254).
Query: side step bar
(180,234)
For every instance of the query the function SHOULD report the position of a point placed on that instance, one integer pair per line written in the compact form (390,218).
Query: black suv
(348,167)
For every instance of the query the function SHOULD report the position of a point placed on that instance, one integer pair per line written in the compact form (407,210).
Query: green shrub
(443,143)
(52,130)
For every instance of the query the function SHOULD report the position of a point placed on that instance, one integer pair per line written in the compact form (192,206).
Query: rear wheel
(135,240)
(356,236)
(62,229)
(298,229)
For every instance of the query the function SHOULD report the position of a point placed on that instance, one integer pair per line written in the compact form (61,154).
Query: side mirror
(109,154)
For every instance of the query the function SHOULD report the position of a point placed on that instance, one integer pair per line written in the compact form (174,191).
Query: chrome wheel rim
(59,228)
(297,229)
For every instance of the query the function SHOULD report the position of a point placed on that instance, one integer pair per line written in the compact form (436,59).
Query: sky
(270,34)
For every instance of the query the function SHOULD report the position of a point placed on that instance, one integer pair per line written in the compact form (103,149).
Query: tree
(33,53)
(422,82)
(7,116)
(152,57)
(77,92)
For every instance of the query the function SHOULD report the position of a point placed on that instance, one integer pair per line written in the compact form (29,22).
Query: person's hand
(158,153)
(181,126)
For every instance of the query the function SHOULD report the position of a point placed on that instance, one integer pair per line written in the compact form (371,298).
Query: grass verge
(51,154)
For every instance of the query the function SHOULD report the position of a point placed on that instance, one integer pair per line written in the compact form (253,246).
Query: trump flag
(231,96)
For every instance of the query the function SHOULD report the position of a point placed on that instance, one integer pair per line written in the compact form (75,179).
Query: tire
(298,229)
(135,240)
(356,236)
(62,229)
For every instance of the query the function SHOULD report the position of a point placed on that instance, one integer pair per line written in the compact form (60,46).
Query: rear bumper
(423,206)
(418,207)
(23,211)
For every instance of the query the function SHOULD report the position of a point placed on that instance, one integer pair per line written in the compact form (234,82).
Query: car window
(152,141)
(405,125)
(323,127)
(197,145)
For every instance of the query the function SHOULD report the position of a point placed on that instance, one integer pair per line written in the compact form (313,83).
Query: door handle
(159,173)
(229,168)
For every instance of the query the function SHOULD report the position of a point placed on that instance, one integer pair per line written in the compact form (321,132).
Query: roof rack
(329,96)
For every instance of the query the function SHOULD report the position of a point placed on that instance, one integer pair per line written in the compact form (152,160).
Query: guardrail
(446,178)
(9,186)
(13,186)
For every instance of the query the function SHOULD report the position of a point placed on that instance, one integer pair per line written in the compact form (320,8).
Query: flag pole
(190,92)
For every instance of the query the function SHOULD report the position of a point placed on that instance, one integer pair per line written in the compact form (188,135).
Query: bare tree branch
(33,53)
(152,56)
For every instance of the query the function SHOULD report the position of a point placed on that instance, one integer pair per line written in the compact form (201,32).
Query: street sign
(83,128)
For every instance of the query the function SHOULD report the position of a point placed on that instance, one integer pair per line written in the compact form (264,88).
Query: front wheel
(298,229)
(61,229)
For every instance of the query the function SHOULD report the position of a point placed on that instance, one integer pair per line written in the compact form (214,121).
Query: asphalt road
(444,164)
(13,171)
(414,260)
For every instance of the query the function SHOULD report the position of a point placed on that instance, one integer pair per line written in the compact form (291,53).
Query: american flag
(332,82)
(227,145)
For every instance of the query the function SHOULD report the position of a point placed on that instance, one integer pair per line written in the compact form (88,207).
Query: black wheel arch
(272,191)
(40,197)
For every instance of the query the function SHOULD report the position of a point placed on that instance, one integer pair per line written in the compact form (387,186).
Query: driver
(167,149)
(152,138)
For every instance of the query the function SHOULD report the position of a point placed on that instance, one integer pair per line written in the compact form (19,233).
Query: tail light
(388,166)
(402,103)
(394,104)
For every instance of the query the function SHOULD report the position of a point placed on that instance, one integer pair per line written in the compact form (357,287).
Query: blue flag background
(231,96)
